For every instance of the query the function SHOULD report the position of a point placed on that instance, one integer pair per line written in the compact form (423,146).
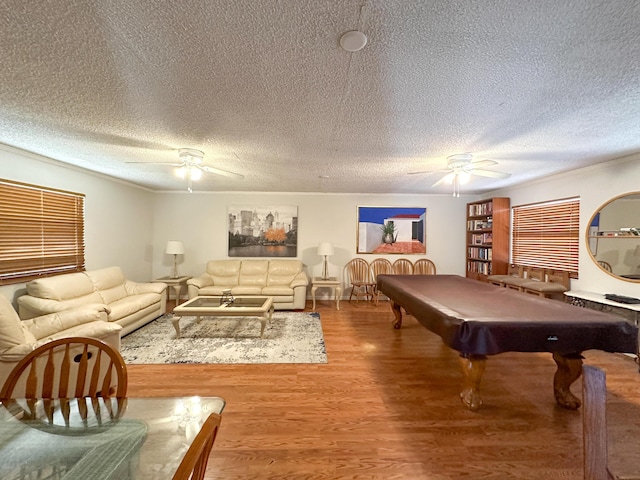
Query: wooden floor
(386,406)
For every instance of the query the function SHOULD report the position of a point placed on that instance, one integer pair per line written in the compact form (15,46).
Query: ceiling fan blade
(489,173)
(429,172)
(484,163)
(446,179)
(208,169)
(173,164)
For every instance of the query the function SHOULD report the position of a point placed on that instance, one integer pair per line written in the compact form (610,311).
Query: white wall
(118,216)
(595,186)
(199,220)
(129,226)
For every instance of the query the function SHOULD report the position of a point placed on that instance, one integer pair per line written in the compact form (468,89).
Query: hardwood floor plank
(386,406)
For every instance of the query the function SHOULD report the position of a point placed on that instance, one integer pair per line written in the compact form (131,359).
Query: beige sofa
(129,304)
(19,337)
(284,280)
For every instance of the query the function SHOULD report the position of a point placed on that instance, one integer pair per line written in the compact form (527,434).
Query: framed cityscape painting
(389,230)
(263,231)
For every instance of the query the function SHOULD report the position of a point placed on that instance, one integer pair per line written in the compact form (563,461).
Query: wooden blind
(41,232)
(546,235)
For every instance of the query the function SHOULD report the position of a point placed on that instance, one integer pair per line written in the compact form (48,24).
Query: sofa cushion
(282,272)
(246,290)
(212,291)
(132,304)
(106,278)
(12,330)
(224,272)
(61,287)
(113,294)
(277,291)
(253,273)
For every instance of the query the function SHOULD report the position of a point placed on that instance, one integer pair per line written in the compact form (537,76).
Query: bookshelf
(488,228)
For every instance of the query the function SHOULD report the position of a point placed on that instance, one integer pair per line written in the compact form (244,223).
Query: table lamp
(174,248)
(325,249)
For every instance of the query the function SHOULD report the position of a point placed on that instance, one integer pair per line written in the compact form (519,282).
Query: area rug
(292,337)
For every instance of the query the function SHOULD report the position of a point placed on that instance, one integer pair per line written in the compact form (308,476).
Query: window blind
(41,232)
(546,235)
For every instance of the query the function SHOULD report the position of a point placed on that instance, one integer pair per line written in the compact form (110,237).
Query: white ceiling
(264,89)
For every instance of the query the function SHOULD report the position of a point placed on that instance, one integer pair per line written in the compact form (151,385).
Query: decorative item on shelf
(174,248)
(325,249)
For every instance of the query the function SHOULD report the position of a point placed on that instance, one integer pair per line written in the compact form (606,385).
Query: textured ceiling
(264,89)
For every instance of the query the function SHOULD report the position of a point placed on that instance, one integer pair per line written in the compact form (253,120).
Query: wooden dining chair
(594,424)
(71,367)
(403,266)
(194,463)
(380,266)
(359,278)
(605,265)
(424,266)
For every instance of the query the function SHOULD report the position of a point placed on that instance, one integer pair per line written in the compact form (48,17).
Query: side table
(597,301)
(331,282)
(175,283)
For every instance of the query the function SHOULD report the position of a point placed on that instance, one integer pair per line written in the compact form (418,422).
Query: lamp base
(175,267)
(325,269)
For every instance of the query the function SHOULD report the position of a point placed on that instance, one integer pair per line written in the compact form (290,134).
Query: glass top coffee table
(225,306)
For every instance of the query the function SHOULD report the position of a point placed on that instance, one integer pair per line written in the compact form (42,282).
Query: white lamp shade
(174,248)
(325,248)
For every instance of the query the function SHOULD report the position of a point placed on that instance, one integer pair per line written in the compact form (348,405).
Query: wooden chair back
(194,463)
(536,274)
(558,276)
(594,423)
(403,266)
(380,266)
(514,270)
(72,367)
(424,266)
(359,274)
(358,271)
(605,265)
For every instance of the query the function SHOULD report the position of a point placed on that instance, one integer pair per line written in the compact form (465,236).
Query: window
(546,235)
(41,232)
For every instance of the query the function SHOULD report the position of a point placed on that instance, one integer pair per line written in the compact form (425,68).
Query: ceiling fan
(459,169)
(190,166)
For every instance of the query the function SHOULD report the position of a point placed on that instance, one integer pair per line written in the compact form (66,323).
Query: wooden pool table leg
(397,313)
(569,370)
(472,369)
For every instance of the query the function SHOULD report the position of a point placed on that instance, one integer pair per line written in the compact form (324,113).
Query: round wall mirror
(613,237)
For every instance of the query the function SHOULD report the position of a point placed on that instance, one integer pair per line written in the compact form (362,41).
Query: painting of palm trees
(388,230)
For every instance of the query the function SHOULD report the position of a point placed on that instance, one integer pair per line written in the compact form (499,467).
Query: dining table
(99,439)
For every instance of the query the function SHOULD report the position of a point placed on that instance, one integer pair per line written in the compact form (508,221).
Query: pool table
(479,319)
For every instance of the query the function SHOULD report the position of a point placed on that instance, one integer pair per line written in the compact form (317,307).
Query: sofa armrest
(203,280)
(53,323)
(31,307)
(300,280)
(135,288)
(98,329)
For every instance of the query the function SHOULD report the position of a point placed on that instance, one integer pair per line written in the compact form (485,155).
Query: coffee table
(225,307)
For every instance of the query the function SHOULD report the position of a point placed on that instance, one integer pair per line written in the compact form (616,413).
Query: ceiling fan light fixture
(181,172)
(191,156)
(449,178)
(464,177)
(195,173)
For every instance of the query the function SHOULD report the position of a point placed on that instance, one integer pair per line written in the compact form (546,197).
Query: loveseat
(284,280)
(129,304)
(19,337)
